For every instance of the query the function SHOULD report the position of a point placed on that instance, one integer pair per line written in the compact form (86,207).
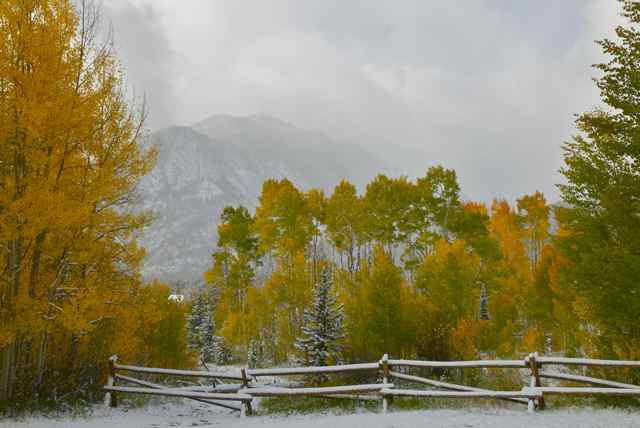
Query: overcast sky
(488,87)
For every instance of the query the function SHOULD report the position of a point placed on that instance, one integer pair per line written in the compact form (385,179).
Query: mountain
(223,161)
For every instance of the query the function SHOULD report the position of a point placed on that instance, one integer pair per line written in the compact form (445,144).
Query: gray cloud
(486,87)
(149,60)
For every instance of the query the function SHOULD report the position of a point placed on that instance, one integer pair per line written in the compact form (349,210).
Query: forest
(404,266)
(413,269)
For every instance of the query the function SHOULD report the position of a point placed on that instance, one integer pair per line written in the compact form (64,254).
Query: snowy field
(194,415)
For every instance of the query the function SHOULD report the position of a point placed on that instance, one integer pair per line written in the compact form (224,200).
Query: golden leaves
(70,159)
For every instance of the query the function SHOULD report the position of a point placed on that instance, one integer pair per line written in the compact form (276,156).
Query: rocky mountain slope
(223,161)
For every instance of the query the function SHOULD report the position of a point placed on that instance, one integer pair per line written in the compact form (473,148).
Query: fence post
(535,376)
(245,408)
(110,398)
(531,405)
(384,363)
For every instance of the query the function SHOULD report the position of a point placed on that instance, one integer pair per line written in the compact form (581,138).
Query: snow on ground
(189,414)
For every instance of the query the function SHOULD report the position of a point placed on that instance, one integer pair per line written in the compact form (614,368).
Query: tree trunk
(8,377)
(11,351)
(41,359)
(5,373)
(35,262)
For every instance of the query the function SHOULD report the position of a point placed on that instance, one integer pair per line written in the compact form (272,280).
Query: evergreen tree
(484,303)
(194,321)
(221,354)
(601,223)
(323,325)
(210,346)
(201,332)
(252,355)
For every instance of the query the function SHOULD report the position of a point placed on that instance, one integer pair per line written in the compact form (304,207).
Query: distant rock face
(224,161)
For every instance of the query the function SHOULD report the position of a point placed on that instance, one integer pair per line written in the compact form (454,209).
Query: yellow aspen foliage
(511,279)
(505,227)
(533,340)
(472,207)
(232,329)
(386,203)
(284,221)
(534,217)
(505,338)
(69,162)
(285,295)
(345,224)
(448,280)
(376,319)
(464,339)
(419,272)
(449,276)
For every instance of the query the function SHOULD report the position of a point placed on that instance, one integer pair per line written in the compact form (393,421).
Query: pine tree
(323,325)
(484,303)
(252,354)
(221,353)
(195,320)
(210,346)
(201,335)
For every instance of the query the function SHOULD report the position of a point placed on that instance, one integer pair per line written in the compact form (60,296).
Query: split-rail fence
(236,390)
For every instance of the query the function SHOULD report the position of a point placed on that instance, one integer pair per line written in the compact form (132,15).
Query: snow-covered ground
(189,414)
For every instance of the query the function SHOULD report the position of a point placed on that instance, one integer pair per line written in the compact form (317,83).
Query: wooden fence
(235,391)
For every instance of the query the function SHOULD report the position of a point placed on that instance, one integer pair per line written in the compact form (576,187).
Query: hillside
(223,161)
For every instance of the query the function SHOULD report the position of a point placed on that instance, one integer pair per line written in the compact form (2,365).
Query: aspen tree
(69,164)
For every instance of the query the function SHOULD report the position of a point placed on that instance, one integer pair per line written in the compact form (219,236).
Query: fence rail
(177,393)
(530,393)
(587,379)
(348,389)
(243,392)
(313,370)
(172,372)
(516,364)
(586,362)
(447,385)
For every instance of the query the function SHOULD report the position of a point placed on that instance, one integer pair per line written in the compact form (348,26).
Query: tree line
(419,272)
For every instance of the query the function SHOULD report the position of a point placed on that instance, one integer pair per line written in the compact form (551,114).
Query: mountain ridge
(223,160)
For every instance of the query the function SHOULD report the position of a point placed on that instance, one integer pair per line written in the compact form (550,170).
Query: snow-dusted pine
(484,303)
(195,320)
(201,330)
(322,331)
(252,354)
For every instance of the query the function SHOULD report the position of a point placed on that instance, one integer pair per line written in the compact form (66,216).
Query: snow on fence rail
(586,362)
(447,385)
(172,372)
(221,394)
(587,379)
(156,386)
(560,390)
(334,390)
(177,393)
(530,393)
(313,370)
(517,364)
